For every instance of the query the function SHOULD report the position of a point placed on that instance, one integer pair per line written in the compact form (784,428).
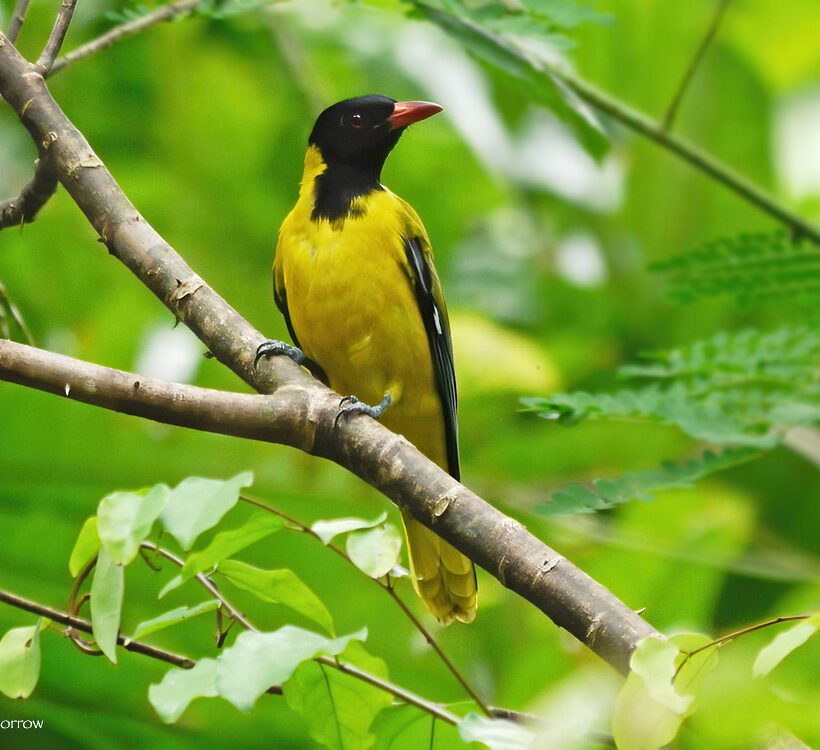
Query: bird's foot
(352,405)
(271,348)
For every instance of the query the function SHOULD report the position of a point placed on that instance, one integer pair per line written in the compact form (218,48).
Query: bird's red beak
(406,113)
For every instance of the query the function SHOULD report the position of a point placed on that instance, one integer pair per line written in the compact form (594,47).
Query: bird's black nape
(354,137)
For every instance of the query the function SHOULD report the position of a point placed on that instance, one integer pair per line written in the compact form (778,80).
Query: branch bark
(301,411)
(55,39)
(18,18)
(24,208)
(85,627)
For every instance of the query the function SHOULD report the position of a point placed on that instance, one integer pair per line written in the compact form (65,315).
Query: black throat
(340,184)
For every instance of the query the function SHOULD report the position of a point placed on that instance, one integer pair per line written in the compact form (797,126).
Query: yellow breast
(352,307)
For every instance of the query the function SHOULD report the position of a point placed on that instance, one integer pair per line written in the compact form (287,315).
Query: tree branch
(18,18)
(694,156)
(694,63)
(301,412)
(123,31)
(55,39)
(25,207)
(85,627)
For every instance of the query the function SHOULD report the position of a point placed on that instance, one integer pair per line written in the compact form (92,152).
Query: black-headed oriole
(355,281)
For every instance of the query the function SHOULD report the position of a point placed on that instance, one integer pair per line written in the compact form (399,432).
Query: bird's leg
(352,405)
(271,348)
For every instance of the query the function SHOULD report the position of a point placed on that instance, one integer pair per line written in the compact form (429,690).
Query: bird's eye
(357,120)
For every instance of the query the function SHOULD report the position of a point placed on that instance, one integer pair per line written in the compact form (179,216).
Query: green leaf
(174,617)
(328,530)
(224,545)
(338,709)
(124,520)
(783,644)
(375,551)
(641,485)
(197,504)
(660,691)
(278,587)
(107,590)
(86,546)
(496,734)
(402,727)
(257,661)
(567,13)
(179,687)
(542,85)
(20,661)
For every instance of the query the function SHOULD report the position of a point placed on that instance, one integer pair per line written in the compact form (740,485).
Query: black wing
(280,297)
(437,326)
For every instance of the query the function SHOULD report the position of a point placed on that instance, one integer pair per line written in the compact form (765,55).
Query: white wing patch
(437,319)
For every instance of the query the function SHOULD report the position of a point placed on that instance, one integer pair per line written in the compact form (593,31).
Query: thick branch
(25,207)
(386,461)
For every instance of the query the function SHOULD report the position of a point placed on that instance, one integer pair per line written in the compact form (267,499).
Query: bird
(355,281)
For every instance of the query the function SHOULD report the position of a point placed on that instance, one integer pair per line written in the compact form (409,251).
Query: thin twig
(398,692)
(737,634)
(123,31)
(15,314)
(694,156)
(386,587)
(206,582)
(23,208)
(646,126)
(84,626)
(55,39)
(694,63)
(18,18)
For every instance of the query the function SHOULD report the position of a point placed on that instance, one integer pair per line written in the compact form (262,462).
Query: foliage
(744,391)
(641,485)
(204,124)
(749,267)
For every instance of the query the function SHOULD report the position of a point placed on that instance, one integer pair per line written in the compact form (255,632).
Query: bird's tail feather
(442,576)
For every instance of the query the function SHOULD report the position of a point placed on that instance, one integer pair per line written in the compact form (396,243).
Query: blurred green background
(204,123)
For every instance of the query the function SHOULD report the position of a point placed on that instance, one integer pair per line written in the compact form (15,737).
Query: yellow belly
(354,313)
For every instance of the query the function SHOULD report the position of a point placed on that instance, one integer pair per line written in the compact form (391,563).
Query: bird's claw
(271,348)
(352,405)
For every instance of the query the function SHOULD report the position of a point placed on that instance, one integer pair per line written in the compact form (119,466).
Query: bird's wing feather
(433,310)
(280,296)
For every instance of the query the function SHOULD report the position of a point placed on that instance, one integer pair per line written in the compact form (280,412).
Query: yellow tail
(442,576)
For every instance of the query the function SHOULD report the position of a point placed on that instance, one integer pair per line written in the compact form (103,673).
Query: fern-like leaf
(744,389)
(640,485)
(749,267)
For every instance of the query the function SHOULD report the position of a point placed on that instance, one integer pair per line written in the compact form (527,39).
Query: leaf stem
(695,62)
(737,634)
(387,588)
(396,691)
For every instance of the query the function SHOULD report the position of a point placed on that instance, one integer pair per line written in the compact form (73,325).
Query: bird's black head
(359,133)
